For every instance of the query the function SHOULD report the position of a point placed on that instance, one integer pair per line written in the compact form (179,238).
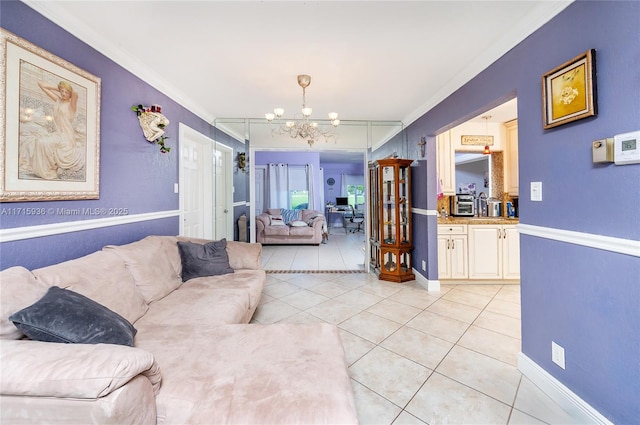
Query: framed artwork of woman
(51,146)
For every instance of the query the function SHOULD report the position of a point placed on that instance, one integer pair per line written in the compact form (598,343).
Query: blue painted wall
(133,173)
(585,299)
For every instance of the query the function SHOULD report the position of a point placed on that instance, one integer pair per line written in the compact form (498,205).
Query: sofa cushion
(101,276)
(298,223)
(243,255)
(302,232)
(276,220)
(65,316)
(256,374)
(169,243)
(209,259)
(18,288)
(289,215)
(273,211)
(150,266)
(276,231)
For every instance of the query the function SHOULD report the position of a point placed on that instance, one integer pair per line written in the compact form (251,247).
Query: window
(298,189)
(355,193)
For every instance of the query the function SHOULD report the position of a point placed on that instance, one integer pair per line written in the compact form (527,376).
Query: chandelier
(302,126)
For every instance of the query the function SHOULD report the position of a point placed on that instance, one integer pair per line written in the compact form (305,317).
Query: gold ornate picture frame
(569,91)
(50,112)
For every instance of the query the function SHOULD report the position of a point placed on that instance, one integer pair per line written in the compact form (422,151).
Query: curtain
(310,186)
(278,185)
(321,192)
(343,185)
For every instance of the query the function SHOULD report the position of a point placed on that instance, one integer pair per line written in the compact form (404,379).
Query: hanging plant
(153,123)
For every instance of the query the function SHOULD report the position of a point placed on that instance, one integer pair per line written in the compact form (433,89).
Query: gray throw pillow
(65,316)
(209,259)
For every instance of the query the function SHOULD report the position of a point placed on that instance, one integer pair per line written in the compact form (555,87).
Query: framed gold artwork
(50,112)
(569,91)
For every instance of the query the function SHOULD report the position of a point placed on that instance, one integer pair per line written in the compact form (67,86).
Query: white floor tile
(444,401)
(482,373)
(372,408)
(397,381)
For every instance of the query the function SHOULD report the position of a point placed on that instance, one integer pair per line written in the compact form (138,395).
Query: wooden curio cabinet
(390,225)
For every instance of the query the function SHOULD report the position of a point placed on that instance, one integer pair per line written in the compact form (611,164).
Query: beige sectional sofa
(195,358)
(309,229)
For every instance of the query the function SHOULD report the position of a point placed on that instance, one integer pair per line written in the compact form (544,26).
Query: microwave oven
(463,205)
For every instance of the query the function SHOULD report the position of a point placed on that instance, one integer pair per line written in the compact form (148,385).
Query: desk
(329,211)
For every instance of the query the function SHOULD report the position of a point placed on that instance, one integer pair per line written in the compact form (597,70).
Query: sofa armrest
(262,221)
(317,222)
(83,371)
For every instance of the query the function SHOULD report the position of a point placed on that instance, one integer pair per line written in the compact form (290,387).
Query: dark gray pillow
(65,316)
(209,259)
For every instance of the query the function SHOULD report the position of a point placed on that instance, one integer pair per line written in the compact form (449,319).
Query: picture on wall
(50,149)
(569,91)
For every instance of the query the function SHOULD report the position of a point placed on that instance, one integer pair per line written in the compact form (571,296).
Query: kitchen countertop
(477,220)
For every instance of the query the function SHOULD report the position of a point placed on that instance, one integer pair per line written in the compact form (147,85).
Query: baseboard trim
(429,285)
(30,232)
(607,243)
(577,408)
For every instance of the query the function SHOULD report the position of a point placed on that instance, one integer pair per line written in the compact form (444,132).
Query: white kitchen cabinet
(511,185)
(446,163)
(511,253)
(452,252)
(494,252)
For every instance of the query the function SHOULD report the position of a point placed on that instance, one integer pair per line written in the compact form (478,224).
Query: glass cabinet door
(389,205)
(404,205)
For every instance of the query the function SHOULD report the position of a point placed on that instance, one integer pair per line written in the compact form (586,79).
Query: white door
(195,183)
(223,167)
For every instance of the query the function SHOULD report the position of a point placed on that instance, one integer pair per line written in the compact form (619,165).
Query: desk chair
(357,220)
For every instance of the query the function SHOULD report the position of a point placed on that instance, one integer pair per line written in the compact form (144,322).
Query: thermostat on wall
(627,148)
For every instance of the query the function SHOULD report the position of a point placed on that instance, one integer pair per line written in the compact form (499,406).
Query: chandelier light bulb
(335,123)
(290,124)
(279,112)
(307,112)
(333,116)
(314,124)
(269,116)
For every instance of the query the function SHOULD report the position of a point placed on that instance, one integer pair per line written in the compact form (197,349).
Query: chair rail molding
(607,243)
(30,232)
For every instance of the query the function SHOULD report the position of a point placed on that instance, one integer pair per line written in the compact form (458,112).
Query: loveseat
(194,359)
(283,226)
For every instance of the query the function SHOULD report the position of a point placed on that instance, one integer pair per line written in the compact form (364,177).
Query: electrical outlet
(557,354)
(424,266)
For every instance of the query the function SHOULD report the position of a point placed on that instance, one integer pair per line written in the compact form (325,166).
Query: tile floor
(415,357)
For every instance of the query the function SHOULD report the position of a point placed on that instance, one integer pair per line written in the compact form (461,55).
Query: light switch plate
(536,191)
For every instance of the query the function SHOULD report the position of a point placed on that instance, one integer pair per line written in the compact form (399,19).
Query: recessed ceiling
(369,60)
